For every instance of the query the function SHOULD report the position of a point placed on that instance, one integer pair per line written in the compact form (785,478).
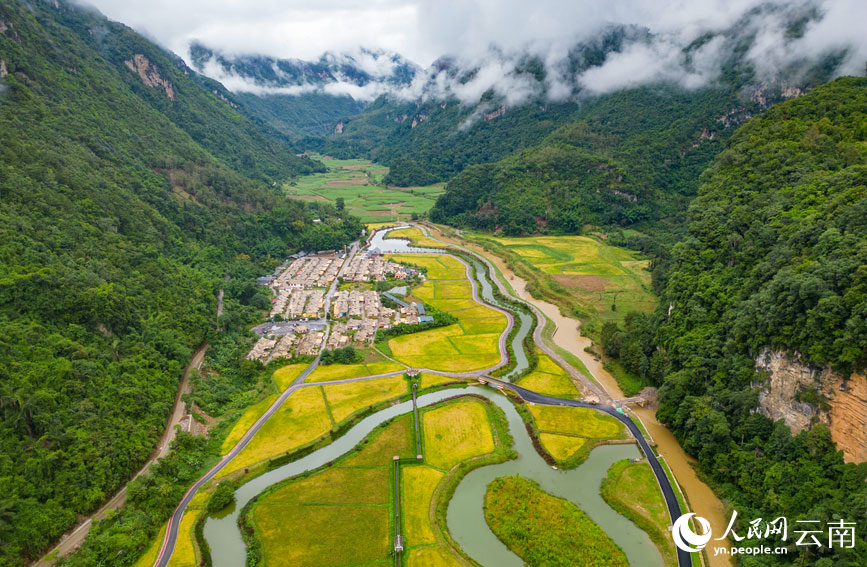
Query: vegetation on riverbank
(632,490)
(545,530)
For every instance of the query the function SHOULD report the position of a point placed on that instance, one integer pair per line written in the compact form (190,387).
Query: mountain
(765,299)
(305,98)
(131,189)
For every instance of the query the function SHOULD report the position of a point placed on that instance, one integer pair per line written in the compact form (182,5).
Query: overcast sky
(423,30)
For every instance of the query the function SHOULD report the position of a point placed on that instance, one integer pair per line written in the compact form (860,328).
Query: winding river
(466,519)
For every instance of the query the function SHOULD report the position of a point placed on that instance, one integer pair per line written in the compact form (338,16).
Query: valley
(448,285)
(359,184)
(321,417)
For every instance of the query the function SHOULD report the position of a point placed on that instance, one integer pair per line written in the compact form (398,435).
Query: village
(298,317)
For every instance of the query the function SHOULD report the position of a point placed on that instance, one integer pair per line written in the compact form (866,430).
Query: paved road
(683,558)
(671,501)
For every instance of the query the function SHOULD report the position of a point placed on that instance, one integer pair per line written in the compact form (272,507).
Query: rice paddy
(550,379)
(456,432)
(472,343)
(340,515)
(580,274)
(343,371)
(359,183)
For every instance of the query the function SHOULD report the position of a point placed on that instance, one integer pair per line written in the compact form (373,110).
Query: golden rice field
(416,237)
(332,372)
(346,399)
(549,379)
(301,419)
(470,344)
(456,432)
(339,515)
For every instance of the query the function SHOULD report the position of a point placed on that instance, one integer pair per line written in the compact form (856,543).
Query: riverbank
(567,335)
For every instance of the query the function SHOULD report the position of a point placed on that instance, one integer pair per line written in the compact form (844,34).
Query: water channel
(465,513)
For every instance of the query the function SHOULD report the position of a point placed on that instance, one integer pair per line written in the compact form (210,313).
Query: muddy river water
(568,336)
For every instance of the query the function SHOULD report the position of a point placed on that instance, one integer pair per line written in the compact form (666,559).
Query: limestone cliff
(802,395)
(150,74)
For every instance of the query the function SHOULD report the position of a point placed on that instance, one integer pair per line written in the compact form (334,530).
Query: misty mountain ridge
(768,44)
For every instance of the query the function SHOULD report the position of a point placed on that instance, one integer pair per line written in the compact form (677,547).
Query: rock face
(150,74)
(802,395)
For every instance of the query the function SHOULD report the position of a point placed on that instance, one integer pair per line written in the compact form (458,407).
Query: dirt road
(72,539)
(701,498)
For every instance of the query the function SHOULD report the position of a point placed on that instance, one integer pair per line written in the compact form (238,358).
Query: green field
(359,182)
(582,275)
(545,530)
(631,489)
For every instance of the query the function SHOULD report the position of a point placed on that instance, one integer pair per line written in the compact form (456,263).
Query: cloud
(491,40)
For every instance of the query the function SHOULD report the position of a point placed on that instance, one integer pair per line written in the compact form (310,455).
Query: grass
(416,237)
(283,377)
(545,530)
(359,183)
(338,515)
(432,556)
(456,432)
(550,379)
(343,371)
(577,421)
(302,418)
(631,489)
(581,275)
(346,399)
(419,483)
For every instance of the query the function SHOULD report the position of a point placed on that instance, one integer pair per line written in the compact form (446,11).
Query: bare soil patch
(582,281)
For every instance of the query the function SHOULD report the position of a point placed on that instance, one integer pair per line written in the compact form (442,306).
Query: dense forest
(774,259)
(130,190)
(625,158)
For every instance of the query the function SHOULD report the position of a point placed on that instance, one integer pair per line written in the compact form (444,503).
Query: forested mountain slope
(623,158)
(774,259)
(128,192)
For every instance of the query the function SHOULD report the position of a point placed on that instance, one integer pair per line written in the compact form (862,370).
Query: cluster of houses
(368,266)
(286,342)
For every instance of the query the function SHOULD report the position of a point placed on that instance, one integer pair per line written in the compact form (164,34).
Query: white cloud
(491,35)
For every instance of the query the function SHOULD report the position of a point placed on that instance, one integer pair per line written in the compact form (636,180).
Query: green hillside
(123,206)
(774,259)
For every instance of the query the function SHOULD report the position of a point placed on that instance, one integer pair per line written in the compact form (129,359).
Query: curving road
(684,559)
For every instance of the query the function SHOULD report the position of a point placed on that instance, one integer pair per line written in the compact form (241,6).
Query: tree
(340,204)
